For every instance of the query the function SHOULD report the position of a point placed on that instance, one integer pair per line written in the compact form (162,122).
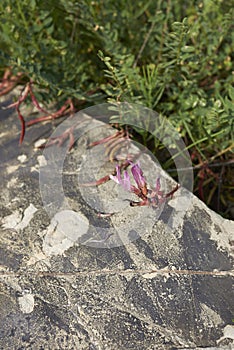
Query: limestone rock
(169,286)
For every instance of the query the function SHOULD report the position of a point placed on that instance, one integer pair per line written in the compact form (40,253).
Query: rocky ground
(167,286)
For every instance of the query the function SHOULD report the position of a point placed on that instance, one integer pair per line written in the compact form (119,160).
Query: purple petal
(126,181)
(157,191)
(138,175)
(158,185)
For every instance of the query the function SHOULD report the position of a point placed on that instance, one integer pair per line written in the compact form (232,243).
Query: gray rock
(165,285)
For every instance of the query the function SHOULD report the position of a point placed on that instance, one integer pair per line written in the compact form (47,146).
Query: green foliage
(171,56)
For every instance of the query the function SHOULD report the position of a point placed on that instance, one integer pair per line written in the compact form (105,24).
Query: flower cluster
(147,196)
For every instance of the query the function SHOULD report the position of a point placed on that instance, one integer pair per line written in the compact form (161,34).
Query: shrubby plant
(171,56)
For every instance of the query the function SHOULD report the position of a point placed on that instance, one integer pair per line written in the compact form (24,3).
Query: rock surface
(164,289)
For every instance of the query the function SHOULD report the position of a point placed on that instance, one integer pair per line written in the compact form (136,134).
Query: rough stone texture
(167,289)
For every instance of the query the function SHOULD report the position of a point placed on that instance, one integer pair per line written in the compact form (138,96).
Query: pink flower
(125,181)
(139,178)
(147,196)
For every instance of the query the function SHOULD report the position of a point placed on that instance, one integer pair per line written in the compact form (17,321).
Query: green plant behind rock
(173,57)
